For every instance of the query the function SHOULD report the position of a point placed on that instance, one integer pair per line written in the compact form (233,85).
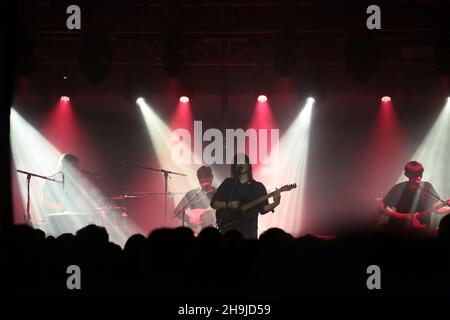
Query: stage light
(386,99)
(65,86)
(263,86)
(262,120)
(262,98)
(310,101)
(184,99)
(183,88)
(140,101)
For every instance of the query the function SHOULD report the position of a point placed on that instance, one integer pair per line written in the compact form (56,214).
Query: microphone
(420,186)
(62,180)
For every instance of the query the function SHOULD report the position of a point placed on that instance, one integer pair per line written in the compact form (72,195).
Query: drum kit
(116,209)
(111,215)
(66,222)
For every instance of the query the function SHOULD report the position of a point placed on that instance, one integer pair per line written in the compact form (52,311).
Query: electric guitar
(412,221)
(228,218)
(197,219)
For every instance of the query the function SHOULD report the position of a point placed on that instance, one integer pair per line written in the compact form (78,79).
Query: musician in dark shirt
(412,200)
(238,190)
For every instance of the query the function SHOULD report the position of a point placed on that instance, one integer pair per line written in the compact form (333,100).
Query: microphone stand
(166,182)
(433,195)
(29,175)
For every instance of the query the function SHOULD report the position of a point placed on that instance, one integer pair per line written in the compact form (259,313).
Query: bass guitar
(228,218)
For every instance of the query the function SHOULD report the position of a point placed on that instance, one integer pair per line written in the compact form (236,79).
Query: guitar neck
(257,201)
(436,207)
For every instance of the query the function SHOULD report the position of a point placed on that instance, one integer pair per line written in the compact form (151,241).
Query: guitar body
(197,219)
(228,219)
(410,225)
(416,224)
(409,222)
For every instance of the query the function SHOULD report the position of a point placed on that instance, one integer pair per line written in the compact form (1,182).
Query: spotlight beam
(163,142)
(293,162)
(32,152)
(434,153)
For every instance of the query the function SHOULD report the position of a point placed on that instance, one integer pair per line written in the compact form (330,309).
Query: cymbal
(66,213)
(105,208)
(122,197)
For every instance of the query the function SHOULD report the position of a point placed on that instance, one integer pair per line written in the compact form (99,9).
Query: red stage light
(64,98)
(386,99)
(262,98)
(184,99)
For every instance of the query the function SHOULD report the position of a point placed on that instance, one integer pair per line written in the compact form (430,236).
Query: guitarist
(198,200)
(238,190)
(409,204)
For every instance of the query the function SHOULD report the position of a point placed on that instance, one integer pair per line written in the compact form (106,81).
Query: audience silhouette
(175,264)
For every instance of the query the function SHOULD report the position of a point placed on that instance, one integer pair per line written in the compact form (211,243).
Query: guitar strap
(235,179)
(433,195)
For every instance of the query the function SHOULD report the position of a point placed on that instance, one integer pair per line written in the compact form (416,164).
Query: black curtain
(8,56)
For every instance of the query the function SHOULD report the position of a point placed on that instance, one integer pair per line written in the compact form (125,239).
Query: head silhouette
(241,164)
